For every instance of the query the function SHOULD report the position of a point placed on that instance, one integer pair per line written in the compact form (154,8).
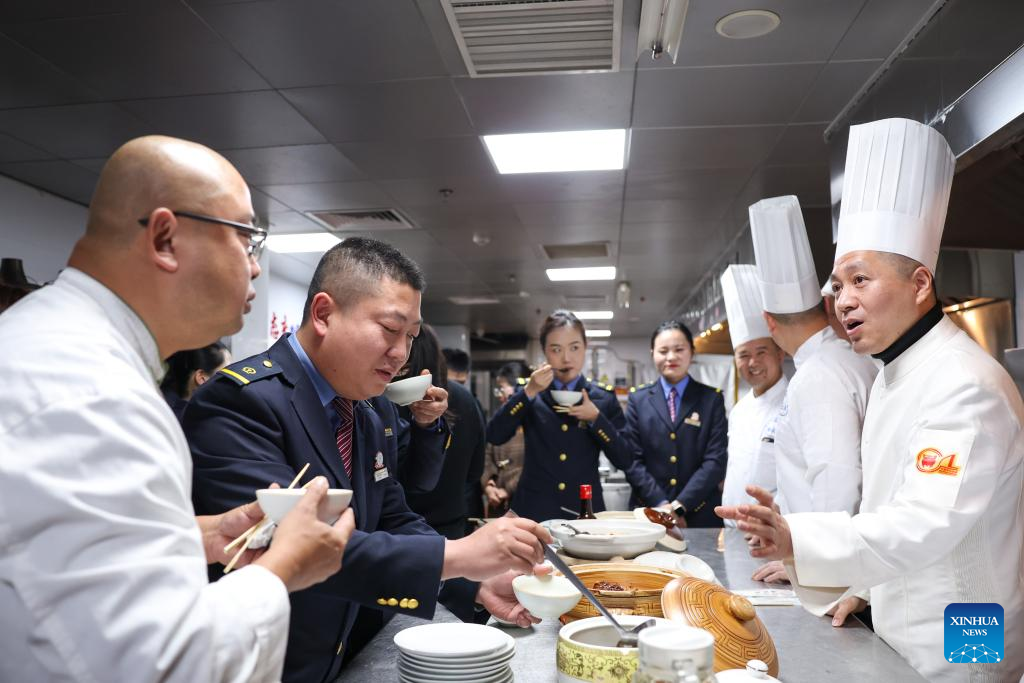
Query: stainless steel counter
(809,648)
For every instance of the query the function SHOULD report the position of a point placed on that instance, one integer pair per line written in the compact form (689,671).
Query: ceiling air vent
(366,220)
(584,250)
(520,37)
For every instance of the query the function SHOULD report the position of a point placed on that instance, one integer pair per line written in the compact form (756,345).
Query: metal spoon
(576,532)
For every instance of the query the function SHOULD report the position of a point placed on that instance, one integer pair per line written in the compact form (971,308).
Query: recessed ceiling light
(579,150)
(593,273)
(750,23)
(473,300)
(599,333)
(594,315)
(303,242)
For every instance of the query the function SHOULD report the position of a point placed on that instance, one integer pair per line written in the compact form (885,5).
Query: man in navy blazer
(263,418)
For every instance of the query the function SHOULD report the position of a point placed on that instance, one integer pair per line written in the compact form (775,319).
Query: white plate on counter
(453,641)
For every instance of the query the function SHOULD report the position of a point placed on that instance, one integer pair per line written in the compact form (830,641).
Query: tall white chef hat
(785,269)
(895,190)
(826,289)
(743,307)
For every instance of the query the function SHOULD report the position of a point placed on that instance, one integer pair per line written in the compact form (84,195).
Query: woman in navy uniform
(562,444)
(676,432)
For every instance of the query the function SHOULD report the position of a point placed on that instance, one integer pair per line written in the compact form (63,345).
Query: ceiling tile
(690,148)
(296,43)
(524,104)
(556,187)
(33,10)
(557,214)
(801,144)
(158,49)
(482,188)
(427,108)
(94,164)
(29,81)
(880,27)
(292,164)
(834,88)
(446,218)
(285,222)
(228,121)
(330,196)
(12,149)
(809,32)
(61,178)
(264,204)
(395,160)
(73,131)
(683,210)
(726,96)
(686,184)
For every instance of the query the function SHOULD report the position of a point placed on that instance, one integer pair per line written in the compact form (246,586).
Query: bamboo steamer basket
(739,634)
(643,586)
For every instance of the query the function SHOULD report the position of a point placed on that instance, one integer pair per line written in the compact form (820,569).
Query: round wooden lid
(739,635)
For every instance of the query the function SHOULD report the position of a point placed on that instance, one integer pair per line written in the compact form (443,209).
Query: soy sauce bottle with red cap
(586,502)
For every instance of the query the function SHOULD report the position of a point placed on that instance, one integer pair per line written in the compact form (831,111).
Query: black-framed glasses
(257,234)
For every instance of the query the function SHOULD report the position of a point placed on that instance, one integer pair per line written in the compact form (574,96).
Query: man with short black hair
(305,400)
(458,364)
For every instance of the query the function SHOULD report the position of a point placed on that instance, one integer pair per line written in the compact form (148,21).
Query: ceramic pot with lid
(739,635)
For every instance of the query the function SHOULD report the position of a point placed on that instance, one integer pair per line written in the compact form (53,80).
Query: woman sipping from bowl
(567,421)
(676,431)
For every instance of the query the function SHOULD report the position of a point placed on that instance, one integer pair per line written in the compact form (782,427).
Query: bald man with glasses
(103,563)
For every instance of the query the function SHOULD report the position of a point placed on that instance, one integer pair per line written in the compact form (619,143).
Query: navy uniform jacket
(684,461)
(414,455)
(259,421)
(561,452)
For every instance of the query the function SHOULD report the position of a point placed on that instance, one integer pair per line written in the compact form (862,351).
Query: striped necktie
(344,433)
(672,394)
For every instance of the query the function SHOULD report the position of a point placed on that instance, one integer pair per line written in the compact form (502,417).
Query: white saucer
(449,663)
(505,676)
(453,641)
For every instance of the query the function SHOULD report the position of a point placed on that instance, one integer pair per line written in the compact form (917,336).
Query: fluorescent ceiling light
(473,300)
(580,150)
(304,242)
(599,333)
(593,273)
(661,27)
(593,315)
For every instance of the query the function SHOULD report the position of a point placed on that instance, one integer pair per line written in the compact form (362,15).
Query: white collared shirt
(751,438)
(817,436)
(102,568)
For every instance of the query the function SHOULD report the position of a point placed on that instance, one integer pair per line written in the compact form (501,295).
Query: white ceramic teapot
(756,671)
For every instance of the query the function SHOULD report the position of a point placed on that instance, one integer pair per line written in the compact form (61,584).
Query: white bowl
(276,503)
(695,567)
(659,558)
(406,391)
(547,597)
(608,538)
(566,398)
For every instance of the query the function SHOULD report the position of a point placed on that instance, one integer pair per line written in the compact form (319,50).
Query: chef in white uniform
(941,517)
(817,437)
(102,561)
(759,362)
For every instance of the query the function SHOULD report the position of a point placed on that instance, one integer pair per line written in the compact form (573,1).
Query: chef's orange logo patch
(932,461)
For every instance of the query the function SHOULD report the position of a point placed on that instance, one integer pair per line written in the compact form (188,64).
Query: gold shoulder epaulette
(250,370)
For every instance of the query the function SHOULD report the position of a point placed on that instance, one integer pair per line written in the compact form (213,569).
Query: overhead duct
(522,37)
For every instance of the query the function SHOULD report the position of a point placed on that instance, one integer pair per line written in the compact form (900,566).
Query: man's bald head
(151,172)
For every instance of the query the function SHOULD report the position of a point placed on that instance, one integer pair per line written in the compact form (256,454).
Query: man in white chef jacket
(102,561)
(940,521)
(759,362)
(817,434)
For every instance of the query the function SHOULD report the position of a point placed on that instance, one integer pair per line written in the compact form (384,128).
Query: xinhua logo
(973,632)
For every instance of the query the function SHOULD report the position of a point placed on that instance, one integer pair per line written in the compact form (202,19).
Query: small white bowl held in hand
(406,391)
(547,597)
(566,398)
(276,503)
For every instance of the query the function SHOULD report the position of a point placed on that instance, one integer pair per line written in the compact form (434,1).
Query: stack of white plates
(460,653)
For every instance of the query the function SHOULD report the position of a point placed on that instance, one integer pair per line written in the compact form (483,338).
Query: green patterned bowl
(587,652)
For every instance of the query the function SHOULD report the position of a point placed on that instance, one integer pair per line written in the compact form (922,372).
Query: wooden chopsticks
(249,533)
